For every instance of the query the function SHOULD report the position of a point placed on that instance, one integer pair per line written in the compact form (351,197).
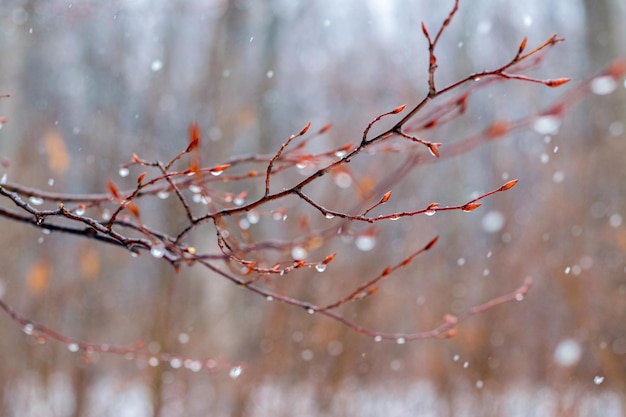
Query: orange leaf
(58,156)
(557,82)
(398,109)
(305,129)
(325,128)
(132,207)
(38,276)
(497,128)
(141,177)
(522,45)
(508,185)
(470,207)
(113,189)
(329,258)
(385,197)
(194,136)
(89,262)
(431,243)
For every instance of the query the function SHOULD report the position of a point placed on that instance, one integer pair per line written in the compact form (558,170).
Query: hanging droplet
(603,85)
(73,347)
(598,380)
(176,363)
(80,210)
(36,201)
(123,172)
(378,338)
(365,242)
(401,340)
(320,267)
(547,125)
(330,216)
(253,217)
(158,251)
(430,212)
(299,253)
(235,372)
(163,194)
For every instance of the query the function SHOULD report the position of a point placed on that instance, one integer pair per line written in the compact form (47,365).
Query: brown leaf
(58,156)
(38,276)
(557,82)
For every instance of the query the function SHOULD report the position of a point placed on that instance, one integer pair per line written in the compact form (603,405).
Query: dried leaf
(194,136)
(38,276)
(113,189)
(329,258)
(89,262)
(431,243)
(398,109)
(471,207)
(305,129)
(434,148)
(497,128)
(325,128)
(508,185)
(58,156)
(557,82)
(522,45)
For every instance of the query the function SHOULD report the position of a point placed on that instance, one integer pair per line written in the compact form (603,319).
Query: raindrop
(567,270)
(430,212)
(158,251)
(244,224)
(567,353)
(80,210)
(615,220)
(394,217)
(238,201)
(343,180)
(456,358)
(4,179)
(307,354)
(153,361)
(310,311)
(519,297)
(365,242)
(73,347)
(401,340)
(176,363)
(270,74)
(299,253)
(194,188)
(340,154)
(163,194)
(36,201)
(50,182)
(558,177)
(29,328)
(183,338)
(123,172)
(465,364)
(320,267)
(235,372)
(547,125)
(46,231)
(480,384)
(378,338)
(555,150)
(330,216)
(528,20)
(157,65)
(460,261)
(217,173)
(598,380)
(253,217)
(493,221)
(544,158)
(269,298)
(603,85)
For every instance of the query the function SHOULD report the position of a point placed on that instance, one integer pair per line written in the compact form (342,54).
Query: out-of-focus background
(93,82)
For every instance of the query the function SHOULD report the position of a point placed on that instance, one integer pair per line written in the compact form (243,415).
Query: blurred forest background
(93,82)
